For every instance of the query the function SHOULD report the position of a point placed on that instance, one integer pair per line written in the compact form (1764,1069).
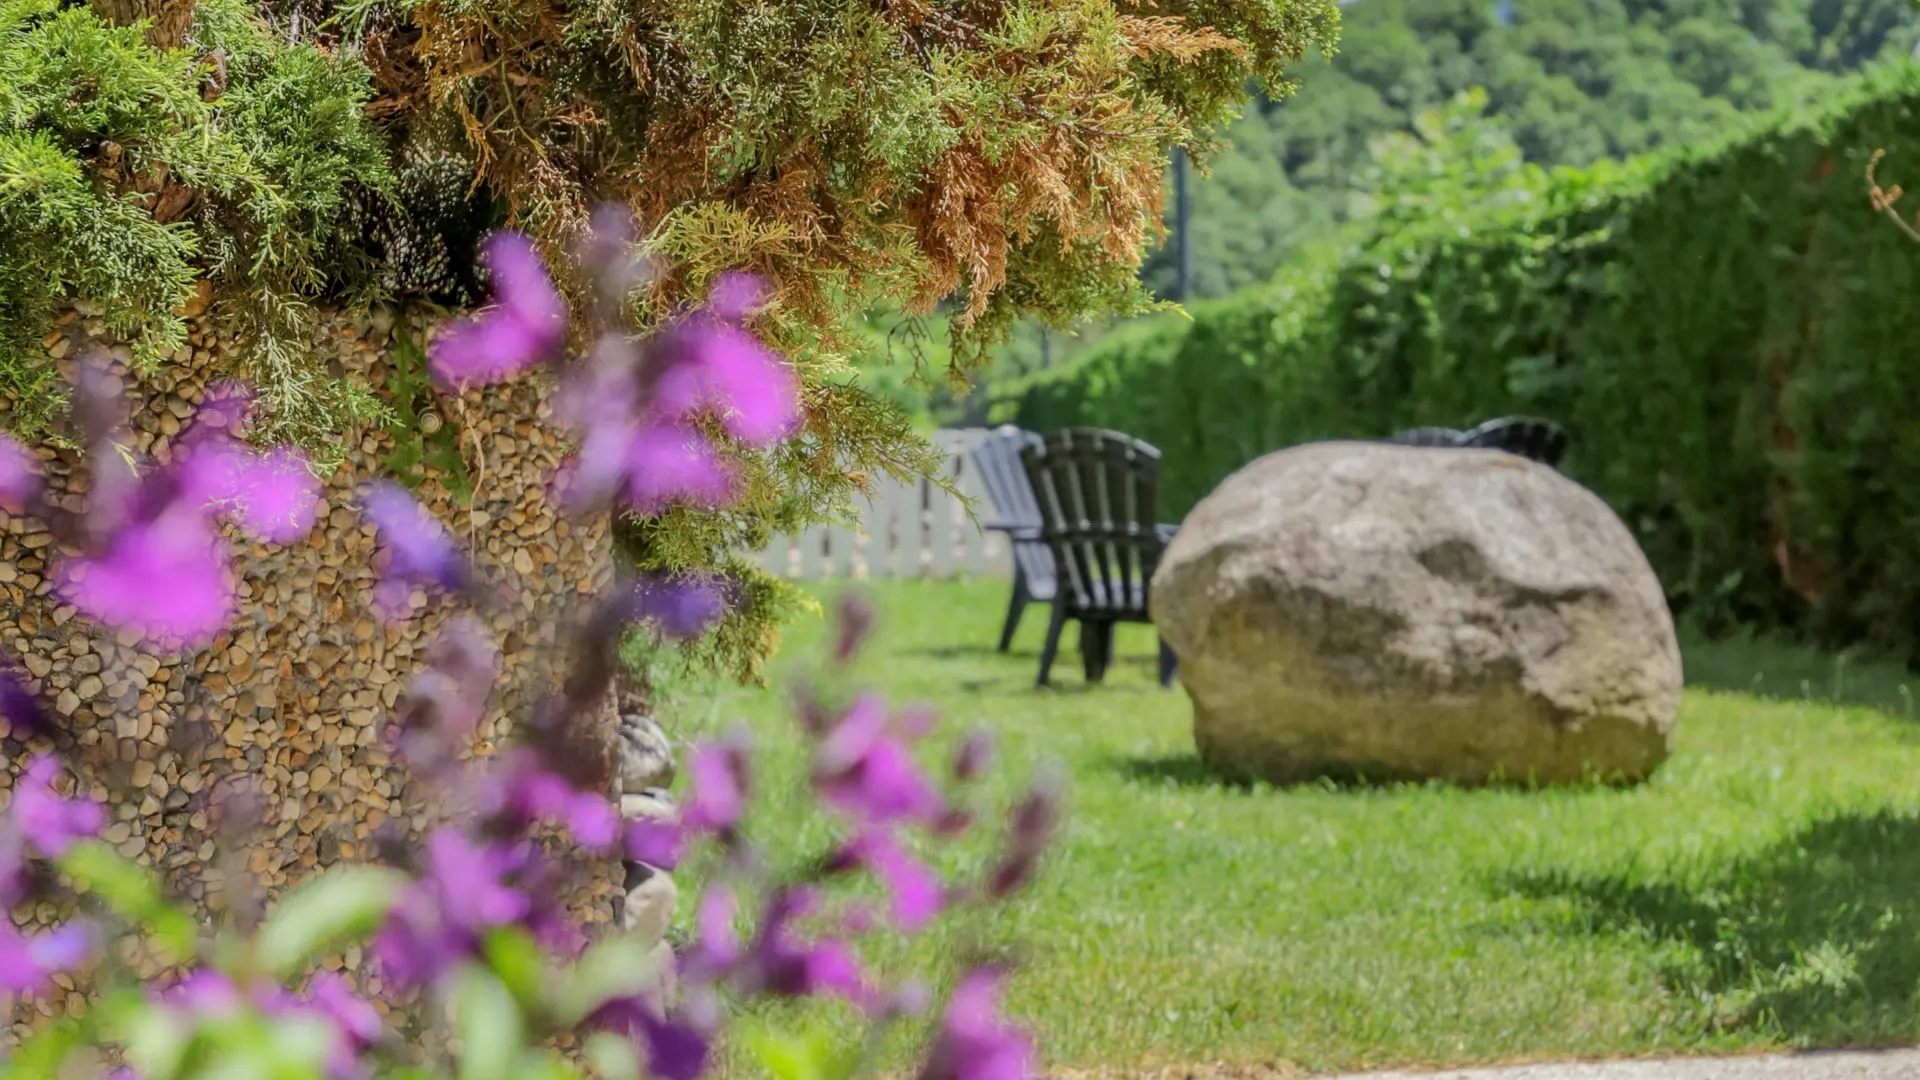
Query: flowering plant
(469,916)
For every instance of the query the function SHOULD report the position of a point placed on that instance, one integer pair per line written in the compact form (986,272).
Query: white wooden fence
(907,530)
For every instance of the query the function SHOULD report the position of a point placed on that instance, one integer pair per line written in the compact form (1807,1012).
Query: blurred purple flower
(681,609)
(526,323)
(52,823)
(862,768)
(417,549)
(974,1042)
(782,963)
(533,794)
(916,890)
(356,1023)
(28,965)
(225,406)
(735,295)
(656,843)
(165,578)
(463,892)
(725,369)
(19,474)
(717,946)
(1031,825)
(674,1049)
(718,774)
(975,754)
(206,992)
(273,496)
(667,464)
(19,707)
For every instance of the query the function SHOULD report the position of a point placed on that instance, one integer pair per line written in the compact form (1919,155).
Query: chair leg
(1015,607)
(1056,623)
(1103,656)
(1169,664)
(1090,650)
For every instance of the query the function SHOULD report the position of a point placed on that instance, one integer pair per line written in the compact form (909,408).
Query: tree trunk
(170,18)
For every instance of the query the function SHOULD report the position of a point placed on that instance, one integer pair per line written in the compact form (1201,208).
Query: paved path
(1878,1065)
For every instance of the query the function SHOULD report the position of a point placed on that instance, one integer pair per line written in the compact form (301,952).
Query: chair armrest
(1165,532)
(1012,529)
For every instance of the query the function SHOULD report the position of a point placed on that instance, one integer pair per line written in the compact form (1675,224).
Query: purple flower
(527,321)
(717,946)
(864,770)
(225,406)
(52,823)
(416,548)
(19,474)
(725,369)
(675,1049)
(1031,825)
(736,295)
(439,918)
(206,992)
(655,843)
(681,609)
(974,1042)
(718,773)
(975,754)
(917,894)
(28,965)
(533,794)
(19,707)
(355,1022)
(166,578)
(273,496)
(782,963)
(667,464)
(358,1020)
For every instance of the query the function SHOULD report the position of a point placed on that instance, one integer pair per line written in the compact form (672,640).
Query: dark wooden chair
(996,458)
(1530,437)
(1097,495)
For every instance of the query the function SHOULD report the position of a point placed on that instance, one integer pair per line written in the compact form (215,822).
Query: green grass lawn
(1762,890)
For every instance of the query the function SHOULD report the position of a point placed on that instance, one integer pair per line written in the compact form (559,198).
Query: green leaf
(340,905)
(610,968)
(157,1043)
(132,892)
(491,1029)
(516,959)
(612,1057)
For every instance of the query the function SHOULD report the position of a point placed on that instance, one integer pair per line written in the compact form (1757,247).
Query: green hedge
(1690,318)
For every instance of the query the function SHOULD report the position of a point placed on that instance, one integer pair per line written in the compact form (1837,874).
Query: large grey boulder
(1355,609)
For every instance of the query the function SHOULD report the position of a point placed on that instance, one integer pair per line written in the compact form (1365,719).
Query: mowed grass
(1763,890)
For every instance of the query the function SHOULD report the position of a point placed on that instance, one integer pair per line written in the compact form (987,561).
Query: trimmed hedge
(1728,333)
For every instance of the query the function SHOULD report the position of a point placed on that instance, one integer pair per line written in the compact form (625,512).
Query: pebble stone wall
(295,695)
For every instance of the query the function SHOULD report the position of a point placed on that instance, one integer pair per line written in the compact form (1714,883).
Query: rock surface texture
(1360,610)
(295,695)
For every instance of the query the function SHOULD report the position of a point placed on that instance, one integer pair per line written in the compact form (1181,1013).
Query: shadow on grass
(1790,672)
(1176,770)
(1815,940)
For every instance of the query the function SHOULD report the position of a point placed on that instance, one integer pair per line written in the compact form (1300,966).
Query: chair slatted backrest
(1528,436)
(996,458)
(1427,436)
(1098,493)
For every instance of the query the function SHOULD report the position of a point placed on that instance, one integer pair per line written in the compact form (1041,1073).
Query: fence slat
(778,555)
(839,551)
(973,558)
(879,530)
(810,544)
(941,507)
(906,530)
